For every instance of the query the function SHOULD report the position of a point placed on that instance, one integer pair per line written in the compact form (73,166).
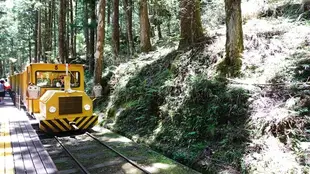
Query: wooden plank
(39,167)
(17,155)
(9,162)
(2,148)
(48,163)
(29,167)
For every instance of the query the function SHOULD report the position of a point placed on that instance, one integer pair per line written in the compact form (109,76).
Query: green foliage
(16,29)
(302,71)
(18,32)
(138,103)
(212,115)
(89,82)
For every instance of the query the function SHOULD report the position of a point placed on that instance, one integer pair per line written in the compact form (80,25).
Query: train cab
(54,94)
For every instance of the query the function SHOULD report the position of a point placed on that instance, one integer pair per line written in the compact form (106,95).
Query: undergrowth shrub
(88,82)
(214,115)
(138,103)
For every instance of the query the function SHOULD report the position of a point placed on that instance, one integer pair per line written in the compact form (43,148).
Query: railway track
(86,154)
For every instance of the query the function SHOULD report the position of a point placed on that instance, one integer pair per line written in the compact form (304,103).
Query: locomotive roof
(55,64)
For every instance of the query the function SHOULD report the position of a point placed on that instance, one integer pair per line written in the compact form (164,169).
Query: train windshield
(52,79)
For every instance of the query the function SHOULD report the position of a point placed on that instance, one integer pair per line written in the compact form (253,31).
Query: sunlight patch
(274,158)
(158,167)
(120,139)
(130,169)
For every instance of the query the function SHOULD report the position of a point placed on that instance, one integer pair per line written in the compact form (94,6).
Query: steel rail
(127,159)
(71,155)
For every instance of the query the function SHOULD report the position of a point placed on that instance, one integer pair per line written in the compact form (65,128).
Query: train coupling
(74,125)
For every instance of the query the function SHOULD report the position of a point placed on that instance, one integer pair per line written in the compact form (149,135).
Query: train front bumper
(66,124)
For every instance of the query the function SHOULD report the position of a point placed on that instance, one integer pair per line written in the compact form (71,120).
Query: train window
(49,79)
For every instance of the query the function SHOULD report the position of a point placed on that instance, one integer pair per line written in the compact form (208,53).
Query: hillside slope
(174,102)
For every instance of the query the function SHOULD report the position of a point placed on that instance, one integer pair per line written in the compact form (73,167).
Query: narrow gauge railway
(86,154)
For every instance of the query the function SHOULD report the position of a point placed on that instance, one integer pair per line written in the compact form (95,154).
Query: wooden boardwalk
(21,151)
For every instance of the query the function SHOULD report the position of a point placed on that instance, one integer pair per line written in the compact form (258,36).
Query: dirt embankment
(173,102)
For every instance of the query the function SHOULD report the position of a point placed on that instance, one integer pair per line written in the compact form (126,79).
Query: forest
(220,86)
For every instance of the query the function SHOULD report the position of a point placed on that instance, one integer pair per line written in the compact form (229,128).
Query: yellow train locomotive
(54,95)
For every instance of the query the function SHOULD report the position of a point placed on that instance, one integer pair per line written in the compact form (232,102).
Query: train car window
(49,79)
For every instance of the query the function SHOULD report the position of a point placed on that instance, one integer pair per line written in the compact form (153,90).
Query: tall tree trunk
(116,29)
(62,29)
(100,42)
(1,68)
(160,36)
(39,42)
(72,29)
(151,11)
(67,31)
(92,35)
(29,47)
(44,14)
(234,38)
(54,23)
(75,28)
(35,35)
(86,31)
(14,54)
(157,19)
(109,12)
(49,32)
(144,27)
(191,27)
(46,33)
(131,31)
(128,16)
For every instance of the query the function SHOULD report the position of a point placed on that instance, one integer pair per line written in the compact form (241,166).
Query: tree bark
(67,31)
(46,39)
(191,27)
(116,28)
(75,28)
(61,31)
(39,42)
(1,68)
(109,12)
(157,19)
(128,16)
(144,27)
(45,13)
(49,43)
(71,30)
(100,42)
(54,23)
(234,37)
(35,35)
(160,36)
(29,47)
(92,35)
(86,30)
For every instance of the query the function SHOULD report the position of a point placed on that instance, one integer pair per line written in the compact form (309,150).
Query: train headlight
(52,109)
(87,107)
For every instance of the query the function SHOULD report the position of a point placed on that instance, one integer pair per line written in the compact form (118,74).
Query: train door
(24,88)
(29,80)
